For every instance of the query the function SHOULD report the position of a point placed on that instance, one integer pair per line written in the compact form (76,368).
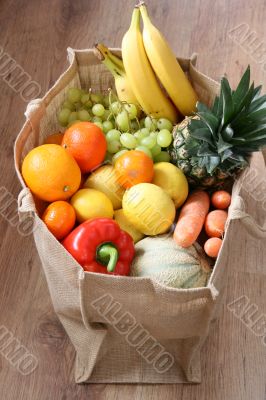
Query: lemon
(149,208)
(104,179)
(126,226)
(172,180)
(90,203)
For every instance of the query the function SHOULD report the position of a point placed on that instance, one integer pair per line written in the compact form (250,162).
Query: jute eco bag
(128,329)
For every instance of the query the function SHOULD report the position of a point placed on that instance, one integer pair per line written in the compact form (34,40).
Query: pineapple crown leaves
(231,129)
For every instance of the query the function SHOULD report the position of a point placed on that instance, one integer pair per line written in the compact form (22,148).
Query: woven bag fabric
(127,329)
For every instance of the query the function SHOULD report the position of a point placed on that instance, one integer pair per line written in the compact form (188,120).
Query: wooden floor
(36,34)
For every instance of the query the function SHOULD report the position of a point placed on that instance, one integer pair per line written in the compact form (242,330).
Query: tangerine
(60,218)
(134,167)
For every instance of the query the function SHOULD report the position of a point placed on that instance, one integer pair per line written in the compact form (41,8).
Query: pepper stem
(107,254)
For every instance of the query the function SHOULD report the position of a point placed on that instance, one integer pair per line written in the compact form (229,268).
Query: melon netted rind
(162,260)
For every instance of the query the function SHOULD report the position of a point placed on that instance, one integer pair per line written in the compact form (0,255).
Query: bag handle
(238,213)
(34,113)
(26,202)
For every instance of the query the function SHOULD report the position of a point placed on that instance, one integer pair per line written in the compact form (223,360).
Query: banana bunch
(149,75)
(115,65)
(141,75)
(166,66)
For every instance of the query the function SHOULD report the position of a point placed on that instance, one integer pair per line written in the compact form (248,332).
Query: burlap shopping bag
(127,329)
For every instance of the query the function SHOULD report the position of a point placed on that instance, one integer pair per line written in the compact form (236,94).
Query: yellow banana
(106,52)
(122,84)
(141,76)
(166,66)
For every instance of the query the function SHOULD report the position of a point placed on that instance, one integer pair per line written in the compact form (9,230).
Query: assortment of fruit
(147,160)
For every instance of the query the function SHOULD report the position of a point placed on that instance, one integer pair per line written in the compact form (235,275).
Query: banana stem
(112,67)
(116,60)
(107,53)
(115,71)
(144,12)
(141,3)
(135,20)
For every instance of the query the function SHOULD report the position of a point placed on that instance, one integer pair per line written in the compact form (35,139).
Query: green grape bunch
(125,126)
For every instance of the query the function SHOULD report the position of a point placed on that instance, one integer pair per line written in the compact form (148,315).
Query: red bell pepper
(99,245)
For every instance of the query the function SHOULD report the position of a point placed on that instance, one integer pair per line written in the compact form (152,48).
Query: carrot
(191,218)
(212,247)
(221,199)
(215,223)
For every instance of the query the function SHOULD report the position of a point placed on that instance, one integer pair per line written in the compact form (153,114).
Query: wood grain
(36,34)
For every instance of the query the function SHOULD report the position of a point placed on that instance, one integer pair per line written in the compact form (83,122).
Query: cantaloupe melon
(161,259)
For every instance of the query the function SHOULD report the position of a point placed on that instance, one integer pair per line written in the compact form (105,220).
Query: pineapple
(214,146)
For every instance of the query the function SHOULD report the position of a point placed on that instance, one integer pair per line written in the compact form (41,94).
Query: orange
(86,142)
(51,172)
(55,138)
(134,167)
(60,218)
